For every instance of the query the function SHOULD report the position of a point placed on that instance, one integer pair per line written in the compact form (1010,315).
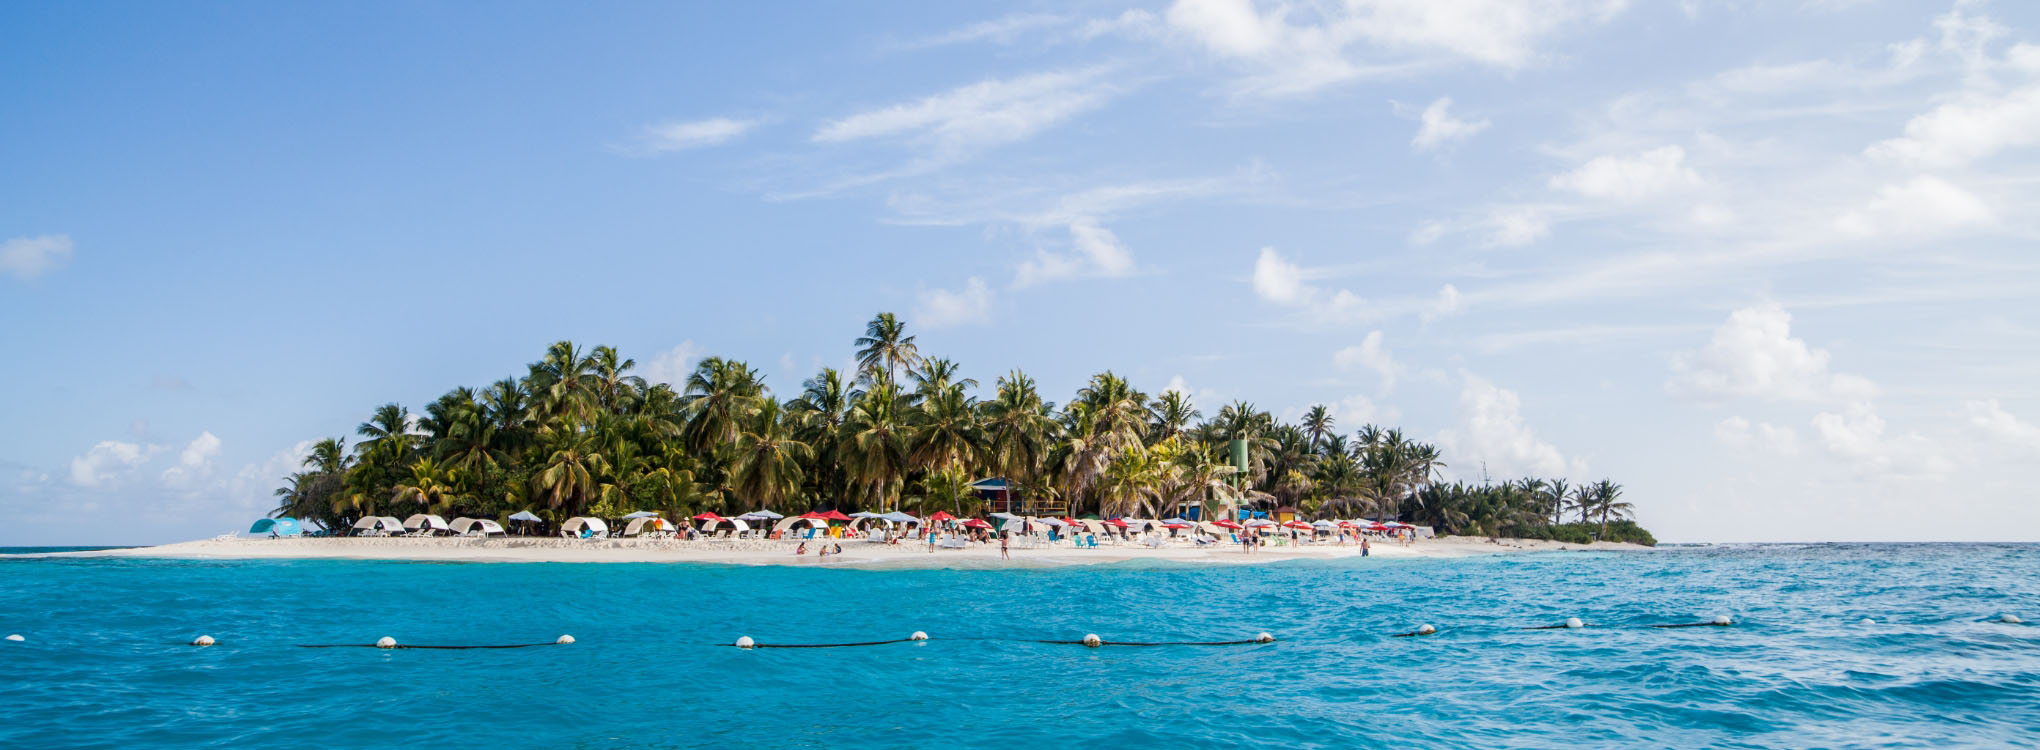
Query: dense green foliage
(579,434)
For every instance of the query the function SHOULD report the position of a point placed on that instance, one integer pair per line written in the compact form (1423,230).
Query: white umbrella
(1260,522)
(762,513)
(1322,524)
(640,514)
(866,514)
(524,515)
(898,517)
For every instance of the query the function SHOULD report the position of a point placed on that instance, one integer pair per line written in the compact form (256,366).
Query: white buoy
(203,640)
(1092,640)
(1574,622)
(1264,638)
(16,638)
(918,636)
(564,640)
(1426,629)
(386,642)
(1723,620)
(1866,621)
(746,642)
(2009,619)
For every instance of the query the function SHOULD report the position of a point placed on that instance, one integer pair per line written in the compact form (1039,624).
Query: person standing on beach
(1004,553)
(1364,547)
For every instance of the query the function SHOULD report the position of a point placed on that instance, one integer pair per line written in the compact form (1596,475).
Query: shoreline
(856,553)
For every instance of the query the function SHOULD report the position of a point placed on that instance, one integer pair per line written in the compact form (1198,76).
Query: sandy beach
(856,553)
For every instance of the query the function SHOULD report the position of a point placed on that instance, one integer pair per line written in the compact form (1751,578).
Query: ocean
(1835,646)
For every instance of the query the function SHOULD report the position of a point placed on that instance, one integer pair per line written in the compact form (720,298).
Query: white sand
(856,553)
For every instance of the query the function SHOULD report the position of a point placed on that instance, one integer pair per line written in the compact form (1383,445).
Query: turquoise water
(105,663)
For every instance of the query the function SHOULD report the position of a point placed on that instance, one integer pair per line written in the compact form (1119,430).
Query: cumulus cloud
(1857,433)
(980,115)
(1494,434)
(1754,354)
(1371,355)
(942,308)
(194,463)
(1095,253)
(1516,226)
(108,462)
(680,136)
(672,366)
(29,257)
(1994,422)
(1630,178)
(1923,205)
(1440,128)
(1279,281)
(1974,126)
(1763,437)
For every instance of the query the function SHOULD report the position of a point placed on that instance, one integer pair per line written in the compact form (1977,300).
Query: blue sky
(1768,264)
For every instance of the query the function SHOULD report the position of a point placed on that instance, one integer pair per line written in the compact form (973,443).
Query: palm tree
(885,347)
(1018,431)
(1173,414)
(1555,493)
(819,414)
(721,397)
(431,487)
(768,469)
(1317,423)
(615,389)
(566,479)
(874,443)
(945,431)
(1607,503)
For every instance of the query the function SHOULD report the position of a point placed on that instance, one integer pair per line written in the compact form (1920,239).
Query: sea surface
(1834,646)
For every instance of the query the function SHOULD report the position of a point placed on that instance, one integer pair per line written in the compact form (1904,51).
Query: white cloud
(108,462)
(1923,205)
(672,366)
(194,464)
(981,115)
(2003,426)
(1199,397)
(1098,253)
(1440,128)
(1754,354)
(1370,355)
(1763,437)
(1447,303)
(679,136)
(1282,282)
(1494,435)
(1857,433)
(29,257)
(1300,47)
(1516,226)
(941,308)
(1654,172)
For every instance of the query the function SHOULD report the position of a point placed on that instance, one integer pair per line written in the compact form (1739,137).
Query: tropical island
(579,435)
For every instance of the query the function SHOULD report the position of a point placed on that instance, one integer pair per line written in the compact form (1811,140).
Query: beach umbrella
(898,517)
(941,515)
(763,513)
(976,524)
(866,514)
(640,514)
(1321,524)
(813,516)
(1227,523)
(1259,523)
(708,517)
(1121,523)
(525,515)
(835,515)
(758,515)
(1068,521)
(1175,524)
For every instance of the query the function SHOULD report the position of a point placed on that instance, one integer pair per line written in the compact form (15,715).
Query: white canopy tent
(574,525)
(426,521)
(735,523)
(465,526)
(379,524)
(643,524)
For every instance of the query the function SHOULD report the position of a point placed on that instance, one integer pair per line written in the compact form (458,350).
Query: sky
(1769,265)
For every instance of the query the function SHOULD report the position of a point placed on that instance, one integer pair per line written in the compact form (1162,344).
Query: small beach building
(465,526)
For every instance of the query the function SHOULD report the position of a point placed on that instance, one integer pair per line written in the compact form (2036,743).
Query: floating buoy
(918,636)
(1264,638)
(746,642)
(1866,621)
(1092,640)
(1426,629)
(1723,620)
(16,638)
(2009,619)
(564,640)
(1574,622)
(203,640)
(386,642)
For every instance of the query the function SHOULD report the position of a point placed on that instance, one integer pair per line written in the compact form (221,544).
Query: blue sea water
(105,662)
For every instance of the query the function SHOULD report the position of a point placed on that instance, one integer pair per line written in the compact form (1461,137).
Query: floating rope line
(1424,629)
(437,648)
(1720,621)
(1570,623)
(755,644)
(1091,640)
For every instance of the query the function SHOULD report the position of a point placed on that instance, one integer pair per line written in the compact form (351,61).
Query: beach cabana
(426,522)
(735,524)
(378,526)
(285,526)
(584,527)
(465,526)
(646,524)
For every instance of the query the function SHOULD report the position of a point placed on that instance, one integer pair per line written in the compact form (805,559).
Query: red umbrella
(1175,525)
(708,517)
(1227,523)
(941,515)
(976,524)
(1116,522)
(835,515)
(813,516)
(1297,525)
(1070,521)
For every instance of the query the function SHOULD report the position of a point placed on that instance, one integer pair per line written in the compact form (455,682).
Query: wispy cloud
(981,115)
(692,134)
(29,257)
(1001,30)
